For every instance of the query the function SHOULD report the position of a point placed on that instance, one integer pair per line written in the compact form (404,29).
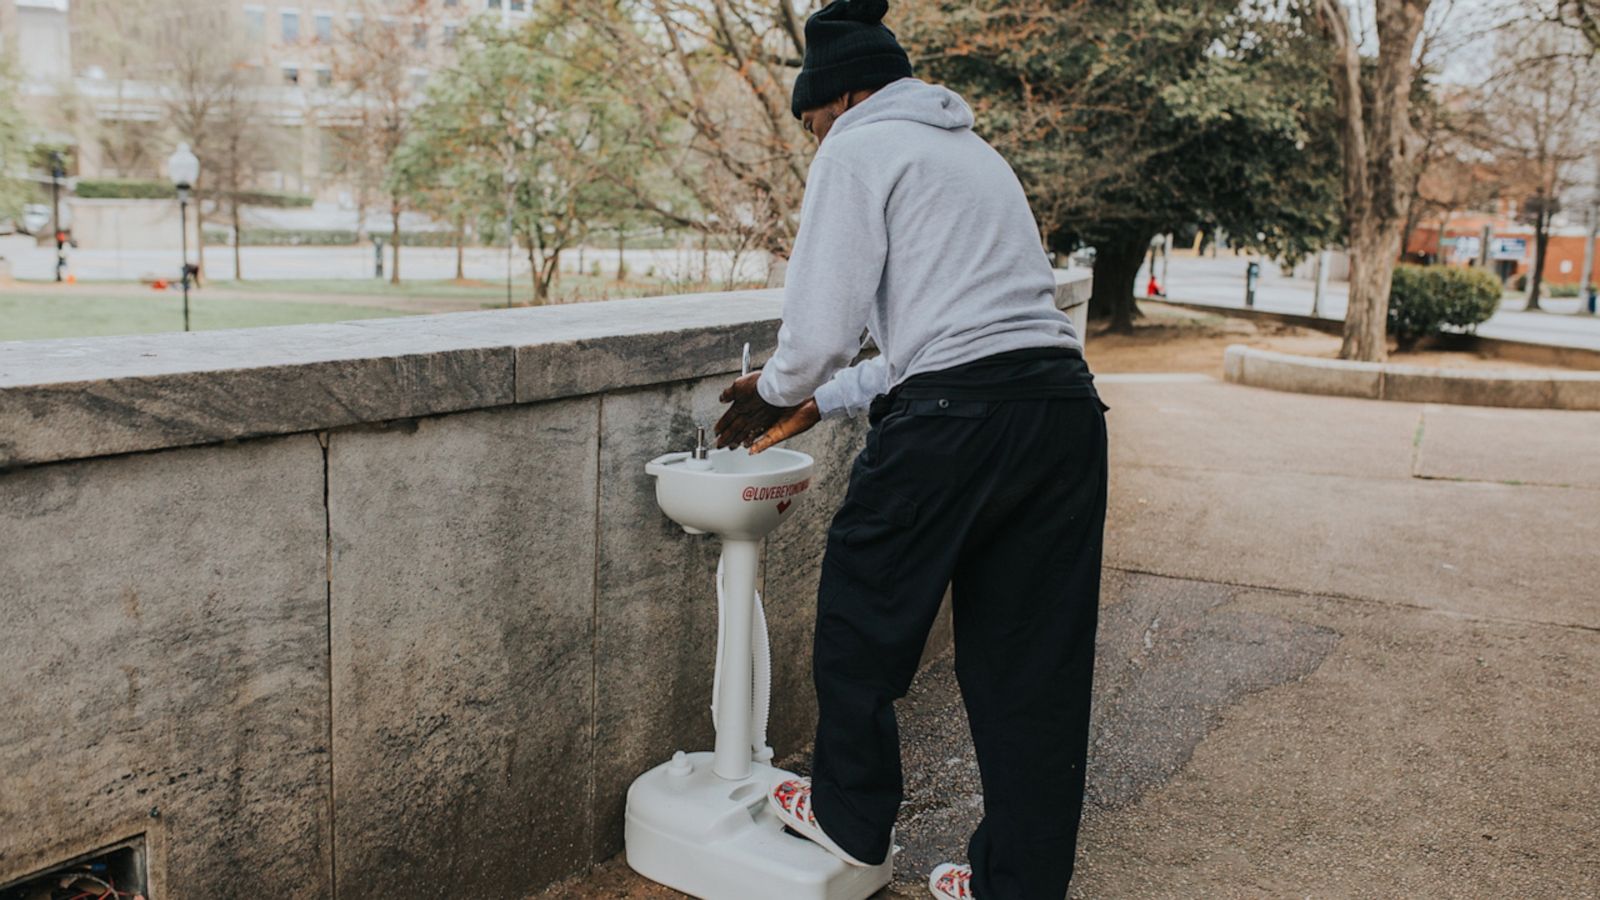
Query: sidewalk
(1221,282)
(1345,650)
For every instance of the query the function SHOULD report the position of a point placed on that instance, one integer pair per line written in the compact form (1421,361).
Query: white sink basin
(731,493)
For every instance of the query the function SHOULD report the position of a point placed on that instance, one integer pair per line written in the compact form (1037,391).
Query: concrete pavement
(1221,282)
(1346,650)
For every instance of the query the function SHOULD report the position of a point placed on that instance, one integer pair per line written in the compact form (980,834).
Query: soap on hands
(754,423)
(747,416)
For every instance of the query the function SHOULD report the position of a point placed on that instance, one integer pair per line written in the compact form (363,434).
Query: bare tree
(1379,152)
(712,86)
(1545,98)
(383,62)
(199,63)
(1455,167)
(117,37)
(244,149)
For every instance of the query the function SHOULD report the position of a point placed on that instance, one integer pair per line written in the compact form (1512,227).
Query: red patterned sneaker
(791,800)
(951,882)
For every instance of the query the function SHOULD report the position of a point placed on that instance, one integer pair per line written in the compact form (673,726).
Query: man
(984,469)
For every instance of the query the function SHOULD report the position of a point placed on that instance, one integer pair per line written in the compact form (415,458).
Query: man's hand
(795,420)
(753,422)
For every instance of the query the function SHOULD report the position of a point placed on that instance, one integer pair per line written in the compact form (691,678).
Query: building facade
(101,75)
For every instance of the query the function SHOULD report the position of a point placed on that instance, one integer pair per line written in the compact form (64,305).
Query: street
(1221,282)
(35,263)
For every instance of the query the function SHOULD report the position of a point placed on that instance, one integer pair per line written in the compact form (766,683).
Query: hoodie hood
(911,100)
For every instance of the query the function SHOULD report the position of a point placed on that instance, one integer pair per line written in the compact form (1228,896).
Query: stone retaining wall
(1521,388)
(388,606)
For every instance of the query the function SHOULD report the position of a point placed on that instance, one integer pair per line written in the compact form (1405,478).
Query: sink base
(716,838)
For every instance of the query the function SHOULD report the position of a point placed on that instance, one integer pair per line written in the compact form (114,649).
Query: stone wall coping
(84,397)
(1523,388)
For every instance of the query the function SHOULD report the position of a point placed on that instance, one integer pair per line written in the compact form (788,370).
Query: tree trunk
(552,269)
(1377,160)
(1541,244)
(1116,269)
(238,271)
(394,240)
(535,273)
(461,241)
(622,267)
(199,235)
(1366,324)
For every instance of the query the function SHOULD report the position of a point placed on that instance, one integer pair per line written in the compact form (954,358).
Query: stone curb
(1410,384)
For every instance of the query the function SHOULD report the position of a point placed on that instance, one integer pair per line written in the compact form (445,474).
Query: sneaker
(791,801)
(951,882)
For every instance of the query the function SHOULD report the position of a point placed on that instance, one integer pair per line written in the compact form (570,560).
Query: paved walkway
(1346,650)
(1221,282)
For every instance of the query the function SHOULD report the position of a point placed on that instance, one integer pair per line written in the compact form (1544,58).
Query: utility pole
(1322,283)
(1585,303)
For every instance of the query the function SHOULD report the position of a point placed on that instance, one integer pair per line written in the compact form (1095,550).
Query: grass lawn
(30,315)
(35,311)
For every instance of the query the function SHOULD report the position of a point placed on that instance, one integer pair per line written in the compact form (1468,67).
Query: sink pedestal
(700,822)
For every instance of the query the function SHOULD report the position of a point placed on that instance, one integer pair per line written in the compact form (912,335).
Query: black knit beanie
(847,49)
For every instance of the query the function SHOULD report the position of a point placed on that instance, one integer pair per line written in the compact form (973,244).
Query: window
(324,77)
(494,4)
(518,5)
(255,23)
(291,75)
(323,23)
(419,79)
(450,32)
(291,27)
(419,35)
(452,2)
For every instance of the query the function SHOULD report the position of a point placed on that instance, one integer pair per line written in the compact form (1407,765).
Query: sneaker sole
(811,833)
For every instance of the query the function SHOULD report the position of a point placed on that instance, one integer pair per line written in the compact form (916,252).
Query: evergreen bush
(1426,300)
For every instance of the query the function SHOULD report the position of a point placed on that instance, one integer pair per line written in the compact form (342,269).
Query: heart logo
(784,506)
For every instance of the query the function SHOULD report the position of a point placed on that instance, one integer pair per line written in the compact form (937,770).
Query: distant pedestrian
(1153,289)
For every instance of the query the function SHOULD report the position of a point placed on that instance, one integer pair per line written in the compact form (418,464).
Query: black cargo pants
(1005,502)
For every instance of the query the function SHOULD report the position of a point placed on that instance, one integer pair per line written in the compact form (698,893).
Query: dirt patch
(1176,339)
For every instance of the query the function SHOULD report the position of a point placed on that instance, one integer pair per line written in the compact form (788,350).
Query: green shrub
(124,189)
(275,199)
(1425,300)
(136,189)
(1564,290)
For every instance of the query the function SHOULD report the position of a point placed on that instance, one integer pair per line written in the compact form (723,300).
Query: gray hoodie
(916,230)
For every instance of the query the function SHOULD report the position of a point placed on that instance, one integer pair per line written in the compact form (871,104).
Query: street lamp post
(57,172)
(184,169)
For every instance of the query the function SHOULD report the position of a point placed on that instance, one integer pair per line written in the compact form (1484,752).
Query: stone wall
(373,607)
